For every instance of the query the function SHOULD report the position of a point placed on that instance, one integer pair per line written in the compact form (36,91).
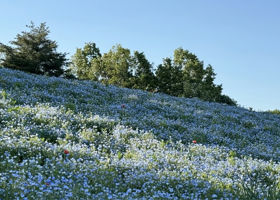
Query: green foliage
(163,74)
(70,106)
(227,100)
(5,99)
(114,67)
(276,111)
(169,78)
(182,76)
(34,52)
(143,78)
(185,76)
(82,60)
(193,72)
(211,91)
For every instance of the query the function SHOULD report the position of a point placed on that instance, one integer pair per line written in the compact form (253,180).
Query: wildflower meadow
(73,139)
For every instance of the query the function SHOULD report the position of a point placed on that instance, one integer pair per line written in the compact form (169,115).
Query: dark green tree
(163,74)
(210,91)
(143,78)
(169,78)
(83,60)
(186,76)
(177,81)
(32,51)
(227,100)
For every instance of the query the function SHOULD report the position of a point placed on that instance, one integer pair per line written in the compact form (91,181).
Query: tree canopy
(184,75)
(32,51)
(82,60)
(144,77)
(115,67)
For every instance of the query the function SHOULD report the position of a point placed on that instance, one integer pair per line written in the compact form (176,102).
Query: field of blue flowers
(70,139)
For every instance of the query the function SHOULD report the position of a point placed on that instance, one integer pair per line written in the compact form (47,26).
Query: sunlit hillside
(70,139)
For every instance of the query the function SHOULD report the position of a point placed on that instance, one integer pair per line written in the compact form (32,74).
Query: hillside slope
(62,139)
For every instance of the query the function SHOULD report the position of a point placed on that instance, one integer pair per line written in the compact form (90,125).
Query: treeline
(277,112)
(184,75)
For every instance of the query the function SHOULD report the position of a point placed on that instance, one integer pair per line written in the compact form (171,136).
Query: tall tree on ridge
(32,51)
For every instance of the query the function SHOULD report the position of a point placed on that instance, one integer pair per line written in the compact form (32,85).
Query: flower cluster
(62,139)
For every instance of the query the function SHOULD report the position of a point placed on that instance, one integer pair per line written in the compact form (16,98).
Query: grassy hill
(69,139)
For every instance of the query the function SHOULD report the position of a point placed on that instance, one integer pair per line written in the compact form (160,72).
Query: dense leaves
(169,78)
(116,67)
(276,111)
(83,60)
(182,76)
(186,76)
(34,52)
(143,77)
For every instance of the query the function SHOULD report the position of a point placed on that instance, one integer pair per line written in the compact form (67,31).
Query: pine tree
(210,91)
(34,52)
(163,74)
(143,78)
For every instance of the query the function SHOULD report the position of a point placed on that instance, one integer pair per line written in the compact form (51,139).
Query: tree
(82,61)
(34,52)
(227,100)
(163,74)
(185,76)
(177,81)
(210,91)
(143,78)
(169,78)
(192,69)
(115,67)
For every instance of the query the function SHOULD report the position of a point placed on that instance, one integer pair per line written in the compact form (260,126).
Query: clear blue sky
(240,39)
